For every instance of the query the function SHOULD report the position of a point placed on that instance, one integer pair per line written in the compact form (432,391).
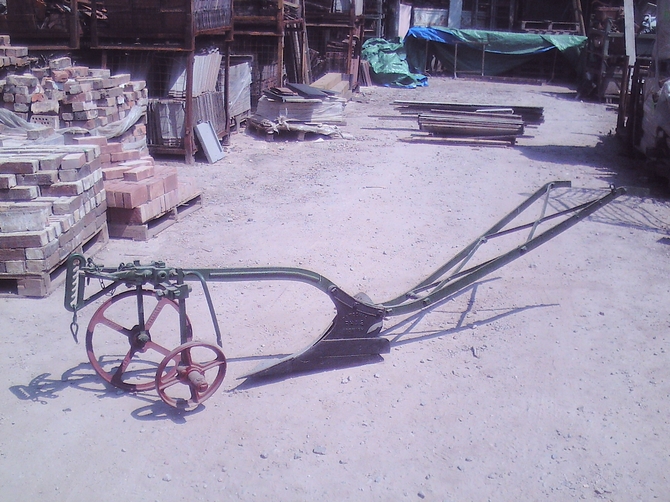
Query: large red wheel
(195,365)
(121,352)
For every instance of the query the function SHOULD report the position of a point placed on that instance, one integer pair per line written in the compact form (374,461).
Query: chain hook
(74,327)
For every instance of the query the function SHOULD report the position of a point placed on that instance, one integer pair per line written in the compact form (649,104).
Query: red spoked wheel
(194,365)
(121,352)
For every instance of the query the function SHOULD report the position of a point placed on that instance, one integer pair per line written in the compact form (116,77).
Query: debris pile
(298,109)
(65,95)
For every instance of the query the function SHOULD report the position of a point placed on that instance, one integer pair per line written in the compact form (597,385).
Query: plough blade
(352,336)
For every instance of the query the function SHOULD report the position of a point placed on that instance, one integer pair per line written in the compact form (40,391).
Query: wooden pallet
(148,230)
(460,140)
(43,284)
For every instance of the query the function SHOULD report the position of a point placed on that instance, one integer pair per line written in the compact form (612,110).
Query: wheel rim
(122,355)
(193,365)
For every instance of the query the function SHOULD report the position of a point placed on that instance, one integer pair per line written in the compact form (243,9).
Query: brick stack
(91,102)
(139,192)
(52,202)
(143,199)
(66,95)
(12,57)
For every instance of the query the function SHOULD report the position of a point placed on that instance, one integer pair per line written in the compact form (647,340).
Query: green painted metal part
(355,332)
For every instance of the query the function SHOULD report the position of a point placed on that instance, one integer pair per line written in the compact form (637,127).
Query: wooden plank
(629,30)
(429,139)
(209,142)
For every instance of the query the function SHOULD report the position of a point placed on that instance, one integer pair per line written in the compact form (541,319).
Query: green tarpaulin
(388,64)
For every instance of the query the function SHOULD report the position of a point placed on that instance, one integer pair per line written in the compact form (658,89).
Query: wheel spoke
(156,312)
(116,377)
(169,379)
(186,357)
(209,365)
(115,326)
(195,395)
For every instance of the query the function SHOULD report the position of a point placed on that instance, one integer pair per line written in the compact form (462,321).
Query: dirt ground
(547,380)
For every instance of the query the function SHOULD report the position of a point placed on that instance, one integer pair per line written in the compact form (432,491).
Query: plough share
(186,375)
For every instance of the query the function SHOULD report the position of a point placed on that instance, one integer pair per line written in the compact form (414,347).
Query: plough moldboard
(136,354)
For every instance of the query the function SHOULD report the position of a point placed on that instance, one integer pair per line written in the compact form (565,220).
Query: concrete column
(455,10)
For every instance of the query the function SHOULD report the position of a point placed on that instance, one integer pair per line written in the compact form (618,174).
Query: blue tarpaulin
(503,50)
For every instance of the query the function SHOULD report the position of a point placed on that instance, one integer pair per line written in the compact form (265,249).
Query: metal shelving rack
(269,31)
(175,27)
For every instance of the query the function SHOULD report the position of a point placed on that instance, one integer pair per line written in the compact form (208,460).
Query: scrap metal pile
(128,347)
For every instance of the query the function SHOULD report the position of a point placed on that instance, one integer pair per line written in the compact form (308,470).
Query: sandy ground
(547,380)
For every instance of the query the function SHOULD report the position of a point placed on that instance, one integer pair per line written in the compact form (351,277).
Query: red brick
(7,181)
(111,148)
(169,177)
(12,254)
(139,173)
(89,140)
(63,189)
(125,155)
(41,178)
(73,160)
(114,172)
(67,205)
(19,193)
(155,187)
(19,166)
(23,239)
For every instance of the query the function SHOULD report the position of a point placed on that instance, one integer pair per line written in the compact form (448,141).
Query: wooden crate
(43,284)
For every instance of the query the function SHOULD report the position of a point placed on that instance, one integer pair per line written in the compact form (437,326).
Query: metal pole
(189,145)
(455,59)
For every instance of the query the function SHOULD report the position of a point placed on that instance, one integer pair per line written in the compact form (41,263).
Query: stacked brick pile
(54,199)
(138,191)
(12,57)
(64,95)
(52,202)
(144,198)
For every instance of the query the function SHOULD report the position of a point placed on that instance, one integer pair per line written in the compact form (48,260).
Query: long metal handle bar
(444,288)
(414,293)
(468,250)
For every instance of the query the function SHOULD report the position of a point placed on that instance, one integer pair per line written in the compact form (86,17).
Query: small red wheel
(183,365)
(127,357)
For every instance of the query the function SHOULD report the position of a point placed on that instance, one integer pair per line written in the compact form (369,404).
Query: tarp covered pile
(402,64)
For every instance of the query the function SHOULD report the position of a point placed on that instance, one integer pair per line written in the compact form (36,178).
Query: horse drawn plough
(134,354)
